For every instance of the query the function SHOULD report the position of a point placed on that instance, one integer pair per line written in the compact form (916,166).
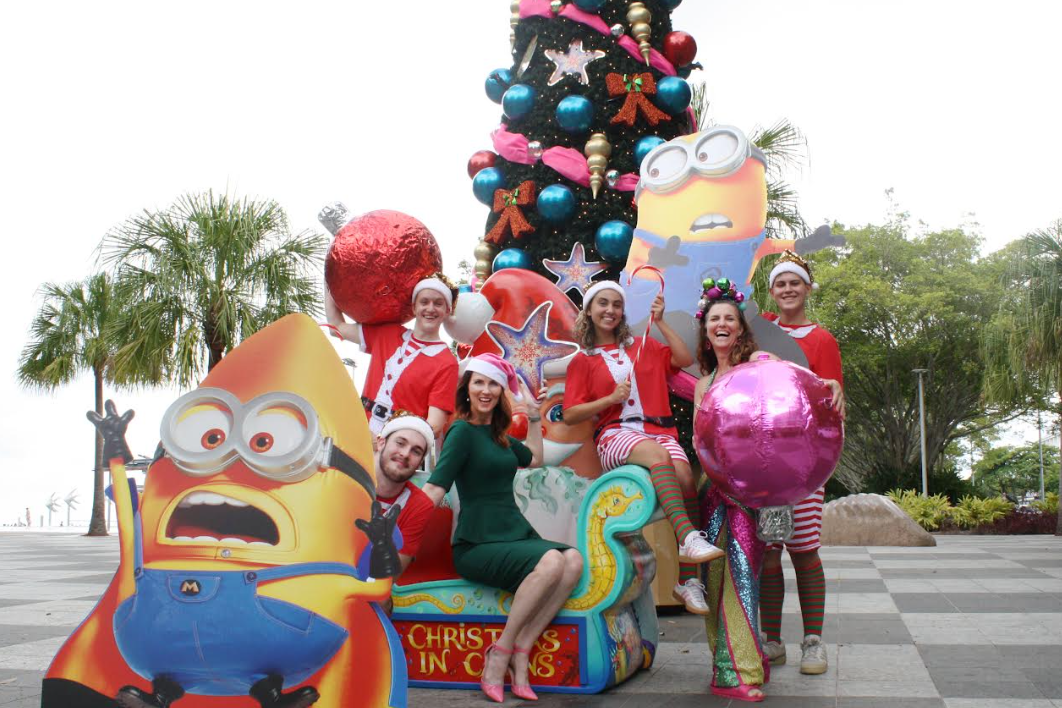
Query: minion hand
(112,429)
(384,562)
(819,240)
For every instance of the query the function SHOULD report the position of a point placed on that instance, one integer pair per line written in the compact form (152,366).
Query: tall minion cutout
(702,213)
(252,564)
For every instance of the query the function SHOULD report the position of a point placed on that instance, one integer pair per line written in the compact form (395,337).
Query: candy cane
(649,326)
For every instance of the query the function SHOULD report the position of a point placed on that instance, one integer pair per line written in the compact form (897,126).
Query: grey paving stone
(850,702)
(956,674)
(11,635)
(1033,657)
(1006,602)
(962,655)
(8,602)
(988,689)
(986,572)
(94,578)
(923,602)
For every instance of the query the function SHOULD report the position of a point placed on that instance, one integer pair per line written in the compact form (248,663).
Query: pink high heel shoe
(742,692)
(493,691)
(523,691)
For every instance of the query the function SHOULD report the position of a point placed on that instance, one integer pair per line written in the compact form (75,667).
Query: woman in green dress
(494,544)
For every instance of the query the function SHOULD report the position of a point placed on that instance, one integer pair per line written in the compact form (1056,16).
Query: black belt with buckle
(376,410)
(666,422)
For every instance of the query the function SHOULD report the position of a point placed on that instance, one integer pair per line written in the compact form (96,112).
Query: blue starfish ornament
(576,272)
(529,347)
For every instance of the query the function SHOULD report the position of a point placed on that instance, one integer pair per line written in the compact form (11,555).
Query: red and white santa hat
(496,369)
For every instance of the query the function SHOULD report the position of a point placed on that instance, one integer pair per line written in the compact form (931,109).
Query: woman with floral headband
(790,284)
(410,370)
(622,383)
(724,340)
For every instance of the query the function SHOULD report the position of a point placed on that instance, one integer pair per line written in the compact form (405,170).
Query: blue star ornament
(529,347)
(576,272)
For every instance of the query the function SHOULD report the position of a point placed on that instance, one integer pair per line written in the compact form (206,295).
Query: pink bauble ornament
(375,261)
(766,435)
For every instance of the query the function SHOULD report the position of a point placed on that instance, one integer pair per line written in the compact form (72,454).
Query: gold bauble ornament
(639,17)
(484,253)
(514,20)
(597,151)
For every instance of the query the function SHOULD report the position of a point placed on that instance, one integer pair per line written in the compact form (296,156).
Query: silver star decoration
(576,272)
(573,62)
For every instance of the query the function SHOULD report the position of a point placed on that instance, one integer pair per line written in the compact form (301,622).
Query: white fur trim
(597,287)
(435,285)
(489,370)
(788,267)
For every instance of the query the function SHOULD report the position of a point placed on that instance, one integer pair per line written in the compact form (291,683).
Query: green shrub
(927,512)
(972,512)
(1048,506)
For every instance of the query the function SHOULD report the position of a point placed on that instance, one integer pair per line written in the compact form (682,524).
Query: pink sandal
(524,691)
(739,693)
(493,691)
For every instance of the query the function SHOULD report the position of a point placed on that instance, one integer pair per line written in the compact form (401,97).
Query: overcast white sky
(108,108)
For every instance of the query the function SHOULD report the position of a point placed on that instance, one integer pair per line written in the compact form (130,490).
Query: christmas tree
(594,85)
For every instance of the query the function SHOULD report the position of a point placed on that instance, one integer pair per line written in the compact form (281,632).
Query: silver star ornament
(573,62)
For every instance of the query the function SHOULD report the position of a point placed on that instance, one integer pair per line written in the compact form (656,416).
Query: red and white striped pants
(807,523)
(615,445)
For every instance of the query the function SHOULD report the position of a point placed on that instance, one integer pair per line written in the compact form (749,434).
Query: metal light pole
(922,425)
(1040,442)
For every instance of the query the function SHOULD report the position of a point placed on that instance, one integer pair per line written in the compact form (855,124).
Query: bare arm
(698,392)
(680,353)
(348,330)
(585,411)
(534,428)
(434,492)
(437,419)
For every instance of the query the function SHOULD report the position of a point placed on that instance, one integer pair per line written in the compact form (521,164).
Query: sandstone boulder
(870,520)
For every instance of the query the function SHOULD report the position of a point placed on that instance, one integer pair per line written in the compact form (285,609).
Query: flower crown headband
(715,290)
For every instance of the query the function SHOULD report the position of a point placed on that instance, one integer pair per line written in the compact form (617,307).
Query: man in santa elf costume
(790,283)
(621,381)
(410,370)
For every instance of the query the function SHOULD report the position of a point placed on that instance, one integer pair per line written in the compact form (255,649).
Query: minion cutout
(702,213)
(254,561)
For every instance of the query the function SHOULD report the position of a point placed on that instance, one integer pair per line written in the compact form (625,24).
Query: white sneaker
(813,655)
(696,549)
(774,651)
(691,593)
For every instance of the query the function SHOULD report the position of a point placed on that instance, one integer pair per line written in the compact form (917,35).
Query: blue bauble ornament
(556,204)
(645,146)
(464,288)
(672,4)
(673,94)
(496,84)
(575,113)
(511,258)
(486,182)
(590,5)
(518,101)
(613,240)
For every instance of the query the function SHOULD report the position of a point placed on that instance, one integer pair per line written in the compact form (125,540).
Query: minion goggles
(718,152)
(277,435)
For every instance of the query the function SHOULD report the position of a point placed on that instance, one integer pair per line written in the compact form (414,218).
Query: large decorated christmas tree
(593,87)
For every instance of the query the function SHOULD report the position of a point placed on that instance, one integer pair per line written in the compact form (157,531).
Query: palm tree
(1023,345)
(202,275)
(68,336)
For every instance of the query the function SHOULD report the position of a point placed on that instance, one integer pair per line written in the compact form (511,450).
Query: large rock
(870,520)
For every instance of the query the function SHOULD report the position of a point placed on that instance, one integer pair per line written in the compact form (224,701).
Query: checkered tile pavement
(974,623)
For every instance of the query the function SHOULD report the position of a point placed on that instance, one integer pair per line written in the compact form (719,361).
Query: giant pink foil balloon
(766,435)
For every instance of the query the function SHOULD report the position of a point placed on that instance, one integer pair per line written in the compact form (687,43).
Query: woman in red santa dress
(790,283)
(410,370)
(633,416)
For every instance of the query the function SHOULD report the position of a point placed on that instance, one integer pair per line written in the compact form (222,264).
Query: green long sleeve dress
(494,544)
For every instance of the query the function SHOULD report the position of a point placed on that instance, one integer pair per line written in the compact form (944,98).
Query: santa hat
(496,369)
(435,284)
(790,262)
(600,286)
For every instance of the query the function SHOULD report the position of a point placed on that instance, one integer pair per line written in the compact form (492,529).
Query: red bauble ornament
(518,428)
(680,48)
(375,261)
(480,160)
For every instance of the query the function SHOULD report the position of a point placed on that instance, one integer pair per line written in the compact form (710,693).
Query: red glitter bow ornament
(512,220)
(637,88)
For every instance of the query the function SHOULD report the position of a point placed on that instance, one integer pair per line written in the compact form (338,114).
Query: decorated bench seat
(606,632)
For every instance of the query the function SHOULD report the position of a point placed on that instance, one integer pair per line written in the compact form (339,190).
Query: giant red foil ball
(766,435)
(375,261)
(480,160)
(680,48)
